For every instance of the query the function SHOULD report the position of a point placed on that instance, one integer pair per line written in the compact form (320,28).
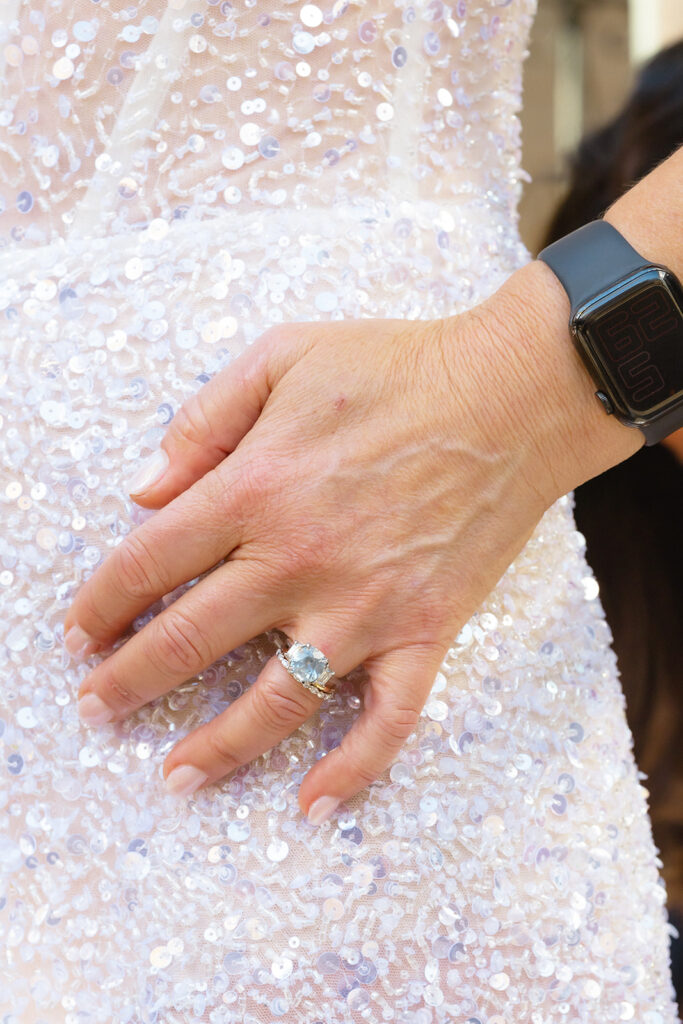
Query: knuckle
(429,650)
(309,551)
(272,338)
(397,721)
(430,609)
(178,644)
(262,474)
(356,766)
(137,575)
(244,485)
(430,617)
(191,422)
(115,692)
(277,709)
(220,750)
(94,615)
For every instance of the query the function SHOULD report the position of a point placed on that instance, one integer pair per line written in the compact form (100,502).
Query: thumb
(400,682)
(211,423)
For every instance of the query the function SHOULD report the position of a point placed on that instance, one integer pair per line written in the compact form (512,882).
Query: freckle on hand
(340,402)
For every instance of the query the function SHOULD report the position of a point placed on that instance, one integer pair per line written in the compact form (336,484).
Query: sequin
(63,68)
(282,967)
(26,718)
(84,31)
(174,179)
(160,956)
(358,999)
(576,732)
(399,56)
(311,15)
(333,909)
(303,42)
(133,268)
(277,850)
(13,55)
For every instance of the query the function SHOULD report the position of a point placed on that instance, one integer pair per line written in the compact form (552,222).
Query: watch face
(633,335)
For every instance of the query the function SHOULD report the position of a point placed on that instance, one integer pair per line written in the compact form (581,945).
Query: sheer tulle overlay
(174,180)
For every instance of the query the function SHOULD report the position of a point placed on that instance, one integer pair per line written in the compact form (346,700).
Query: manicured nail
(321,809)
(149,472)
(184,779)
(93,710)
(78,643)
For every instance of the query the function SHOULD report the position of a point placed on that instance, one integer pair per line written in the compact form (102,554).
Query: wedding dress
(173,180)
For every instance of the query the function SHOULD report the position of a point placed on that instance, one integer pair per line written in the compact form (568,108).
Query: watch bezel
(580,323)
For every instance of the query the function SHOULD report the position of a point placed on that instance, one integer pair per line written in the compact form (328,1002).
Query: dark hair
(632,515)
(648,128)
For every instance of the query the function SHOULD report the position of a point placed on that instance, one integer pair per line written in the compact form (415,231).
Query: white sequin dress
(173,180)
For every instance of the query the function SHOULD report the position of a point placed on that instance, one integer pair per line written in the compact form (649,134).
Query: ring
(309,666)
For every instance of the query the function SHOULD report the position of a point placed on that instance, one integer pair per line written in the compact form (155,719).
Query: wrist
(532,375)
(551,395)
(649,214)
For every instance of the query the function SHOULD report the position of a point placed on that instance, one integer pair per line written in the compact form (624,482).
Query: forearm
(551,392)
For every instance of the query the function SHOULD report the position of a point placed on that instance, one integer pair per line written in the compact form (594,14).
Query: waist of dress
(456,228)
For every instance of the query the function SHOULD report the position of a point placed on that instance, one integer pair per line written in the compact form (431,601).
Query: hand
(366,484)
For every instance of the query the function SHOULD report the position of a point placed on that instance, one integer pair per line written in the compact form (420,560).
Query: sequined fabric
(173,180)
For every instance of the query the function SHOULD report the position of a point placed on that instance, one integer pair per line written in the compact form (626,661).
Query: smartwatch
(627,323)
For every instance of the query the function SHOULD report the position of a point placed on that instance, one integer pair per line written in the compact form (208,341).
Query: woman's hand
(367,483)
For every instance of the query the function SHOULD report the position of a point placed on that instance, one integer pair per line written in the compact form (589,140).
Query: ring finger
(270,710)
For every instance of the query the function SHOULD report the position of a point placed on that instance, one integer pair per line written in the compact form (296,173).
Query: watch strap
(590,259)
(662,427)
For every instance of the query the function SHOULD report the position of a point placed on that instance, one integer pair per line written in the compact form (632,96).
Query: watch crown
(605,402)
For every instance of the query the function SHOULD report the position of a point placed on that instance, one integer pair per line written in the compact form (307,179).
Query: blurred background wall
(581,63)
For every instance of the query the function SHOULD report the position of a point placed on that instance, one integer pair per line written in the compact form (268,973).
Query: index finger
(187,537)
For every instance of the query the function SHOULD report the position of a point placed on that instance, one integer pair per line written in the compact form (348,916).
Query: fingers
(265,714)
(212,422)
(177,544)
(276,705)
(206,428)
(228,608)
(400,682)
(185,538)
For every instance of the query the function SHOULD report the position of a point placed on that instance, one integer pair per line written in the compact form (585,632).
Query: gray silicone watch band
(588,261)
(662,426)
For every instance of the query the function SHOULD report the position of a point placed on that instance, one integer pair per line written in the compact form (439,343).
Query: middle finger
(226,609)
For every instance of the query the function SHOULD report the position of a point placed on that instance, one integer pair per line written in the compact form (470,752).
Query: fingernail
(149,472)
(78,643)
(184,779)
(321,809)
(93,710)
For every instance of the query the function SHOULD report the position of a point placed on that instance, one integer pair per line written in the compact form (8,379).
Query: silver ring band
(309,666)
